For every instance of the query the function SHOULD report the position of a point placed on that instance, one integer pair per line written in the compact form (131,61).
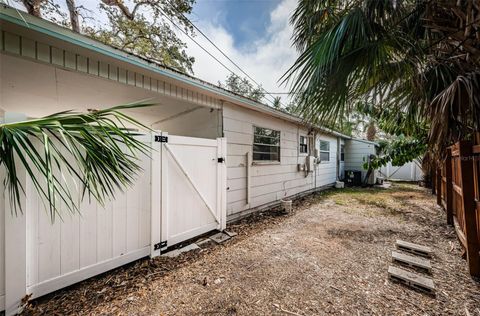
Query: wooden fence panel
(458,192)
(476,179)
(469,207)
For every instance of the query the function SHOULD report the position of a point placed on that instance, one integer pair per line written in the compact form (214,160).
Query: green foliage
(146,32)
(96,149)
(243,86)
(398,151)
(418,75)
(144,28)
(277,103)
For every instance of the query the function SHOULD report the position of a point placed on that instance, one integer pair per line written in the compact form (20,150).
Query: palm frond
(96,149)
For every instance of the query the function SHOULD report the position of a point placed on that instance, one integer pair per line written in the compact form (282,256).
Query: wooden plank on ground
(412,261)
(413,280)
(414,248)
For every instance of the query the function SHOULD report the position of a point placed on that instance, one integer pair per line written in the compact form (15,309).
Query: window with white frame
(266,144)
(303,143)
(324,149)
(342,152)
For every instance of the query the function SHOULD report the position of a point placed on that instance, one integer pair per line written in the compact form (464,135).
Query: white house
(224,156)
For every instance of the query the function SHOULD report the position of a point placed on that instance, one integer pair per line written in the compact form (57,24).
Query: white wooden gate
(180,194)
(193,190)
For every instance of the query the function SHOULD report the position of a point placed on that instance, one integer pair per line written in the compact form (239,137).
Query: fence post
(156,189)
(469,207)
(433,177)
(449,186)
(438,184)
(15,239)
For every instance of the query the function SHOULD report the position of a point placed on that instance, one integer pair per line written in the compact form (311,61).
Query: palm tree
(95,148)
(416,61)
(277,103)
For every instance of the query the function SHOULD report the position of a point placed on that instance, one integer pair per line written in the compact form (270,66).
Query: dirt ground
(330,256)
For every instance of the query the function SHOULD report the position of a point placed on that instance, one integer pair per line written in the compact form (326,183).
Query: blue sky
(256,34)
(245,20)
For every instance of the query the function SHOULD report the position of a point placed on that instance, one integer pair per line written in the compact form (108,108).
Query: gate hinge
(221,159)
(160,245)
(161,139)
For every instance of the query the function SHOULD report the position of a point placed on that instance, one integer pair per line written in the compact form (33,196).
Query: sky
(256,34)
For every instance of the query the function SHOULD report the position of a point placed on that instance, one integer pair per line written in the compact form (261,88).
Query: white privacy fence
(410,171)
(179,194)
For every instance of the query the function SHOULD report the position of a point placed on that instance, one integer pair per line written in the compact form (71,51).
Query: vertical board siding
(45,53)
(356,153)
(2,232)
(269,182)
(96,235)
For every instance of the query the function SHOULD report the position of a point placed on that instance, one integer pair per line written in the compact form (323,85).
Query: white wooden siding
(341,171)
(273,181)
(326,172)
(79,241)
(356,153)
(14,44)
(2,239)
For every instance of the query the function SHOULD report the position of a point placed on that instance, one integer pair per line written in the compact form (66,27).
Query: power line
(225,55)
(205,50)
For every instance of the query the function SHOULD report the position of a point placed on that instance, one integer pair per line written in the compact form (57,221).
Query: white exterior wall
(341,171)
(326,172)
(40,79)
(196,122)
(269,182)
(410,171)
(356,153)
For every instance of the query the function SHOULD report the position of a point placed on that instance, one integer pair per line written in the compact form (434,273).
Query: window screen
(324,150)
(266,144)
(303,145)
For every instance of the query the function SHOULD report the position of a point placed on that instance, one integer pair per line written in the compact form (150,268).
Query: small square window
(303,144)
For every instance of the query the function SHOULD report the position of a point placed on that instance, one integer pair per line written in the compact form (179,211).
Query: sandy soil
(330,256)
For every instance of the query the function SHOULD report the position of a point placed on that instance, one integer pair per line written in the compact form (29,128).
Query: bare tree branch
(72,9)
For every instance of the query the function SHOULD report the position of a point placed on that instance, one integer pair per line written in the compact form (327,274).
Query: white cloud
(265,60)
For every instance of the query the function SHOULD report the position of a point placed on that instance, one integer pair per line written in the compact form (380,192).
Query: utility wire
(225,55)
(205,50)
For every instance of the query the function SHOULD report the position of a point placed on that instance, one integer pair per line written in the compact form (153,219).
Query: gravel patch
(329,256)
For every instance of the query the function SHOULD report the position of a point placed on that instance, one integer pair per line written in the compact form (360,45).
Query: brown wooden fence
(457,186)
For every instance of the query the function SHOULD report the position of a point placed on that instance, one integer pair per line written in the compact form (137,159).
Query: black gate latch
(160,245)
(161,139)
(221,159)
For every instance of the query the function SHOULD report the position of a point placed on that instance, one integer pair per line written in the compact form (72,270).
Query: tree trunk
(371,131)
(33,7)
(72,9)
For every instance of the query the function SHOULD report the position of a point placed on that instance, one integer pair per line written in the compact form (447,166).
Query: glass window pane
(266,144)
(266,156)
(266,140)
(324,145)
(266,149)
(324,156)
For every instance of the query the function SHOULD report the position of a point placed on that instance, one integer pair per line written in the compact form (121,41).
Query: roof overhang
(67,36)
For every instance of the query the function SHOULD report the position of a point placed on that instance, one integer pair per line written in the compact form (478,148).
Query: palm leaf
(95,149)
